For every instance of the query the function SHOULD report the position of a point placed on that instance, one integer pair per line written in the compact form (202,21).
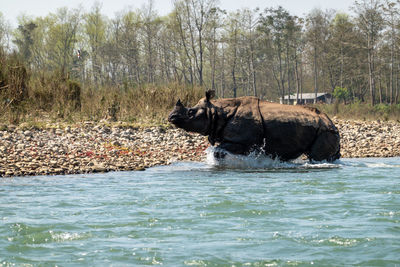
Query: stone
(11,128)
(95,147)
(106,130)
(20,146)
(116,143)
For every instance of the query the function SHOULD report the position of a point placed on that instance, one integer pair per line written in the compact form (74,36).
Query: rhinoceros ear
(179,103)
(210,94)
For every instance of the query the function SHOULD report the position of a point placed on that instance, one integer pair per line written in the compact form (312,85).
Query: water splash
(258,160)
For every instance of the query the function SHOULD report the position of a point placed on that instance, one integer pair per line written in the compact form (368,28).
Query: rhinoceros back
(293,130)
(284,131)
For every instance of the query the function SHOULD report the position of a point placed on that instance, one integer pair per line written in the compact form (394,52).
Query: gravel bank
(90,147)
(361,139)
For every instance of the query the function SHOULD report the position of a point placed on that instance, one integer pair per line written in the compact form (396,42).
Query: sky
(11,9)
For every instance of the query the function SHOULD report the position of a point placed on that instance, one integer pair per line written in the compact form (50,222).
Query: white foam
(381,165)
(65,236)
(372,163)
(258,160)
(181,166)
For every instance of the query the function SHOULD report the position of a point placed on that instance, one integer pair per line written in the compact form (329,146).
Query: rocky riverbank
(361,139)
(90,147)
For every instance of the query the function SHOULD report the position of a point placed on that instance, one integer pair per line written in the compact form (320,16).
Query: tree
(212,39)
(341,93)
(317,23)
(24,40)
(194,16)
(111,51)
(4,32)
(250,35)
(370,23)
(271,55)
(232,39)
(150,28)
(94,28)
(391,17)
(340,39)
(62,37)
(273,26)
(130,45)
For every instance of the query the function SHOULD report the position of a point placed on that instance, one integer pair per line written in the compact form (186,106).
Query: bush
(13,86)
(341,94)
(73,95)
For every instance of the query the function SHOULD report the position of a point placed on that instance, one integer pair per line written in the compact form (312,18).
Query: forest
(77,62)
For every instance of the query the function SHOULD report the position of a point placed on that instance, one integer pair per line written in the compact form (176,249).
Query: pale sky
(13,8)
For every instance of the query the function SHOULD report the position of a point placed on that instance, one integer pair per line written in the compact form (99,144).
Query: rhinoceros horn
(179,103)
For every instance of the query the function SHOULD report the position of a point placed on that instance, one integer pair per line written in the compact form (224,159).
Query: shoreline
(91,147)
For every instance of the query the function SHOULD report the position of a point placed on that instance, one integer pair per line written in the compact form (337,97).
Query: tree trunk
(234,83)
(252,69)
(213,61)
(296,73)
(392,71)
(315,75)
(371,73)
(288,71)
(281,77)
(380,89)
(341,65)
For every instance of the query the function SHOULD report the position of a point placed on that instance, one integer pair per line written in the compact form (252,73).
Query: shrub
(341,94)
(13,86)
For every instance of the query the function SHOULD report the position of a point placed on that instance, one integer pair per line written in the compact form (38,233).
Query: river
(200,214)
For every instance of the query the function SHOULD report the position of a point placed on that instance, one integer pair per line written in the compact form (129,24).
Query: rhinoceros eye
(191,112)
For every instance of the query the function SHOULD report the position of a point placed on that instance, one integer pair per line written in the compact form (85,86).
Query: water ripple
(197,214)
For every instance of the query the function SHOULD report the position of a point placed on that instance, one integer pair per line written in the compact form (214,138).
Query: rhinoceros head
(196,119)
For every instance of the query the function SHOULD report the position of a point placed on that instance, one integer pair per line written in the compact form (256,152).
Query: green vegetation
(341,94)
(75,65)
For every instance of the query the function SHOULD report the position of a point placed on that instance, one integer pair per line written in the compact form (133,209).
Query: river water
(240,213)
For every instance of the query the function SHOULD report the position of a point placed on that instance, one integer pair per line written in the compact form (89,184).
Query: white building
(307,98)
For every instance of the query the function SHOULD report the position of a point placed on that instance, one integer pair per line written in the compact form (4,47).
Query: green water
(194,214)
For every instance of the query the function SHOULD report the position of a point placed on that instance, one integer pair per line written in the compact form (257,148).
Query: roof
(306,95)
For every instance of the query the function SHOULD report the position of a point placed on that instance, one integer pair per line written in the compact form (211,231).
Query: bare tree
(317,23)
(370,23)
(95,31)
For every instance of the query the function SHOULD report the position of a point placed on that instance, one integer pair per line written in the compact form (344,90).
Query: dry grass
(59,100)
(362,111)
(34,99)
(141,104)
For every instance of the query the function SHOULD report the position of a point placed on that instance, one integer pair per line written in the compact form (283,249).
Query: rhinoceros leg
(234,148)
(326,147)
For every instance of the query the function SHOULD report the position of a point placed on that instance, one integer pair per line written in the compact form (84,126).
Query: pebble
(90,147)
(368,138)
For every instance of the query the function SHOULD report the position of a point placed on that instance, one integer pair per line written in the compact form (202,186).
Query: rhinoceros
(244,124)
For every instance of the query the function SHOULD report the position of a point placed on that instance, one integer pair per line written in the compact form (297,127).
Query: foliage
(341,94)
(71,57)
